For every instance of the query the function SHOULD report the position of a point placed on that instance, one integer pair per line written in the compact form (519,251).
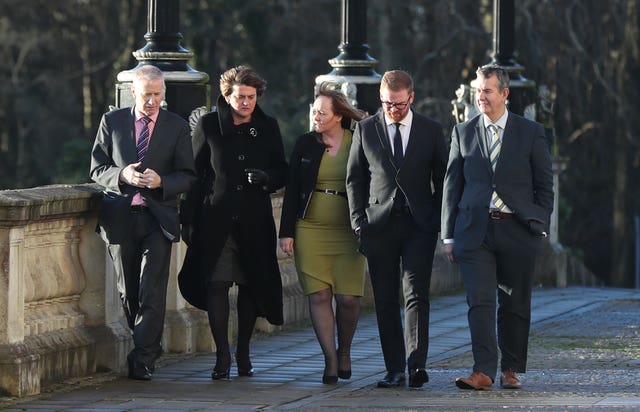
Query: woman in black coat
(227,218)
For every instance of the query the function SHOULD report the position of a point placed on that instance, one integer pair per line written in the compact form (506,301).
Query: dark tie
(143,138)
(397,147)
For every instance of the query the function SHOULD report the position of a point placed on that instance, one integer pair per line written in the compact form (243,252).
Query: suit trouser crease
(401,252)
(142,274)
(507,258)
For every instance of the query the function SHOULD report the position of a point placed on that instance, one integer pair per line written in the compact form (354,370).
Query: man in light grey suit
(394,185)
(497,201)
(142,157)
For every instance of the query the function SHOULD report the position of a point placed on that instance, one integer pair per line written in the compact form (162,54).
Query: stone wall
(60,314)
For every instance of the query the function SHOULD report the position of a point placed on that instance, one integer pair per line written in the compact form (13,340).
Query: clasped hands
(137,175)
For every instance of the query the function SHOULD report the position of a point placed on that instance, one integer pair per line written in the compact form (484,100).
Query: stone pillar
(187,89)
(353,68)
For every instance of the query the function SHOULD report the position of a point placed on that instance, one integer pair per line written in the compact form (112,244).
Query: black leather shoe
(418,377)
(139,371)
(392,379)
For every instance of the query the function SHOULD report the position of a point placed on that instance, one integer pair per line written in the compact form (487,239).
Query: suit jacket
(304,164)
(169,154)
(523,179)
(373,179)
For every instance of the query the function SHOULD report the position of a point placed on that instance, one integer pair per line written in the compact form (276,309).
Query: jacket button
(239,187)
(241,157)
(493,185)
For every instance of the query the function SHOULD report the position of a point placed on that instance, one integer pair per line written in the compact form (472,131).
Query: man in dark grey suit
(142,157)
(498,198)
(395,174)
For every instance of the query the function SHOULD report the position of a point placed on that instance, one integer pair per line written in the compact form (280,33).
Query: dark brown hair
(340,104)
(241,75)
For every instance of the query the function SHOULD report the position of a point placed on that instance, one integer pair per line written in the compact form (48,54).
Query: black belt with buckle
(332,192)
(498,215)
(138,209)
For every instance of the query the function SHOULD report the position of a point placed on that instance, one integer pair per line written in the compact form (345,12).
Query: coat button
(239,187)
(241,157)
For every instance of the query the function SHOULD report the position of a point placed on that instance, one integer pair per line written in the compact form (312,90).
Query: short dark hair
(489,70)
(241,75)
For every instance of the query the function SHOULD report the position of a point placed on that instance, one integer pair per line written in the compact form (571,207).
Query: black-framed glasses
(399,106)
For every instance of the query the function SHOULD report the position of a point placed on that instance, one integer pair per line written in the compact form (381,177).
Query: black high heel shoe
(217,375)
(329,379)
(244,367)
(219,372)
(344,373)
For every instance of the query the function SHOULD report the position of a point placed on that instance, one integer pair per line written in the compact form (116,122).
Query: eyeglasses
(399,106)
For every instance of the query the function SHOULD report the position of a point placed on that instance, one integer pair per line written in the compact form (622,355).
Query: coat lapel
(383,137)
(155,140)
(508,142)
(129,129)
(481,140)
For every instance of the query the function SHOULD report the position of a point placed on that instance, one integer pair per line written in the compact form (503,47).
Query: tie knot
(493,128)
(146,119)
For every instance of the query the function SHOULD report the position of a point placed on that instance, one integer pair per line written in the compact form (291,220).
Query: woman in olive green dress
(315,226)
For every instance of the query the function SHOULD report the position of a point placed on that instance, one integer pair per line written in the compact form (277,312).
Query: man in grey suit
(395,174)
(142,157)
(498,198)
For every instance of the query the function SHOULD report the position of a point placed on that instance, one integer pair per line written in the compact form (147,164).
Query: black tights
(218,311)
(346,318)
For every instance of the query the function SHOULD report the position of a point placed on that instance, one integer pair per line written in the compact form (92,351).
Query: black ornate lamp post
(522,92)
(186,88)
(353,68)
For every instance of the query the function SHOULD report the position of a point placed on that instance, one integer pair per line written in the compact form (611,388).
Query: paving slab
(584,355)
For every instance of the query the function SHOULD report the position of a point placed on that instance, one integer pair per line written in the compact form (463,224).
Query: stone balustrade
(60,313)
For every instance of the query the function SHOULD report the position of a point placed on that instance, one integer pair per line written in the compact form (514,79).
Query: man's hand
(134,175)
(448,251)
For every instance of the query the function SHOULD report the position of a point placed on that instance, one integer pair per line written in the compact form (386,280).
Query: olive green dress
(325,246)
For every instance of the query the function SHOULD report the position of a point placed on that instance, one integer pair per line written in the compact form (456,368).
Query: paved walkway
(289,369)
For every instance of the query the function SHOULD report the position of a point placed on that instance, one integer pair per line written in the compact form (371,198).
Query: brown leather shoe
(509,380)
(478,381)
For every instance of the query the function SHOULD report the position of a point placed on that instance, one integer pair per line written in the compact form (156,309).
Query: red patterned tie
(143,138)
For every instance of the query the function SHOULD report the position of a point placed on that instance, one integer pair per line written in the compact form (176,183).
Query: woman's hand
(286,244)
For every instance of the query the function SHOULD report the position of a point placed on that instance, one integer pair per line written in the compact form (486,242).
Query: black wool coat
(222,202)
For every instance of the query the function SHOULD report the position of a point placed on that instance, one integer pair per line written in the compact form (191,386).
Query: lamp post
(187,88)
(522,91)
(354,68)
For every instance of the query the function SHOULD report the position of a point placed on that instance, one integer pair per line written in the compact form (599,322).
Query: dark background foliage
(60,59)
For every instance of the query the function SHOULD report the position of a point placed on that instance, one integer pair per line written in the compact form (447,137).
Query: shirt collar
(501,122)
(140,115)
